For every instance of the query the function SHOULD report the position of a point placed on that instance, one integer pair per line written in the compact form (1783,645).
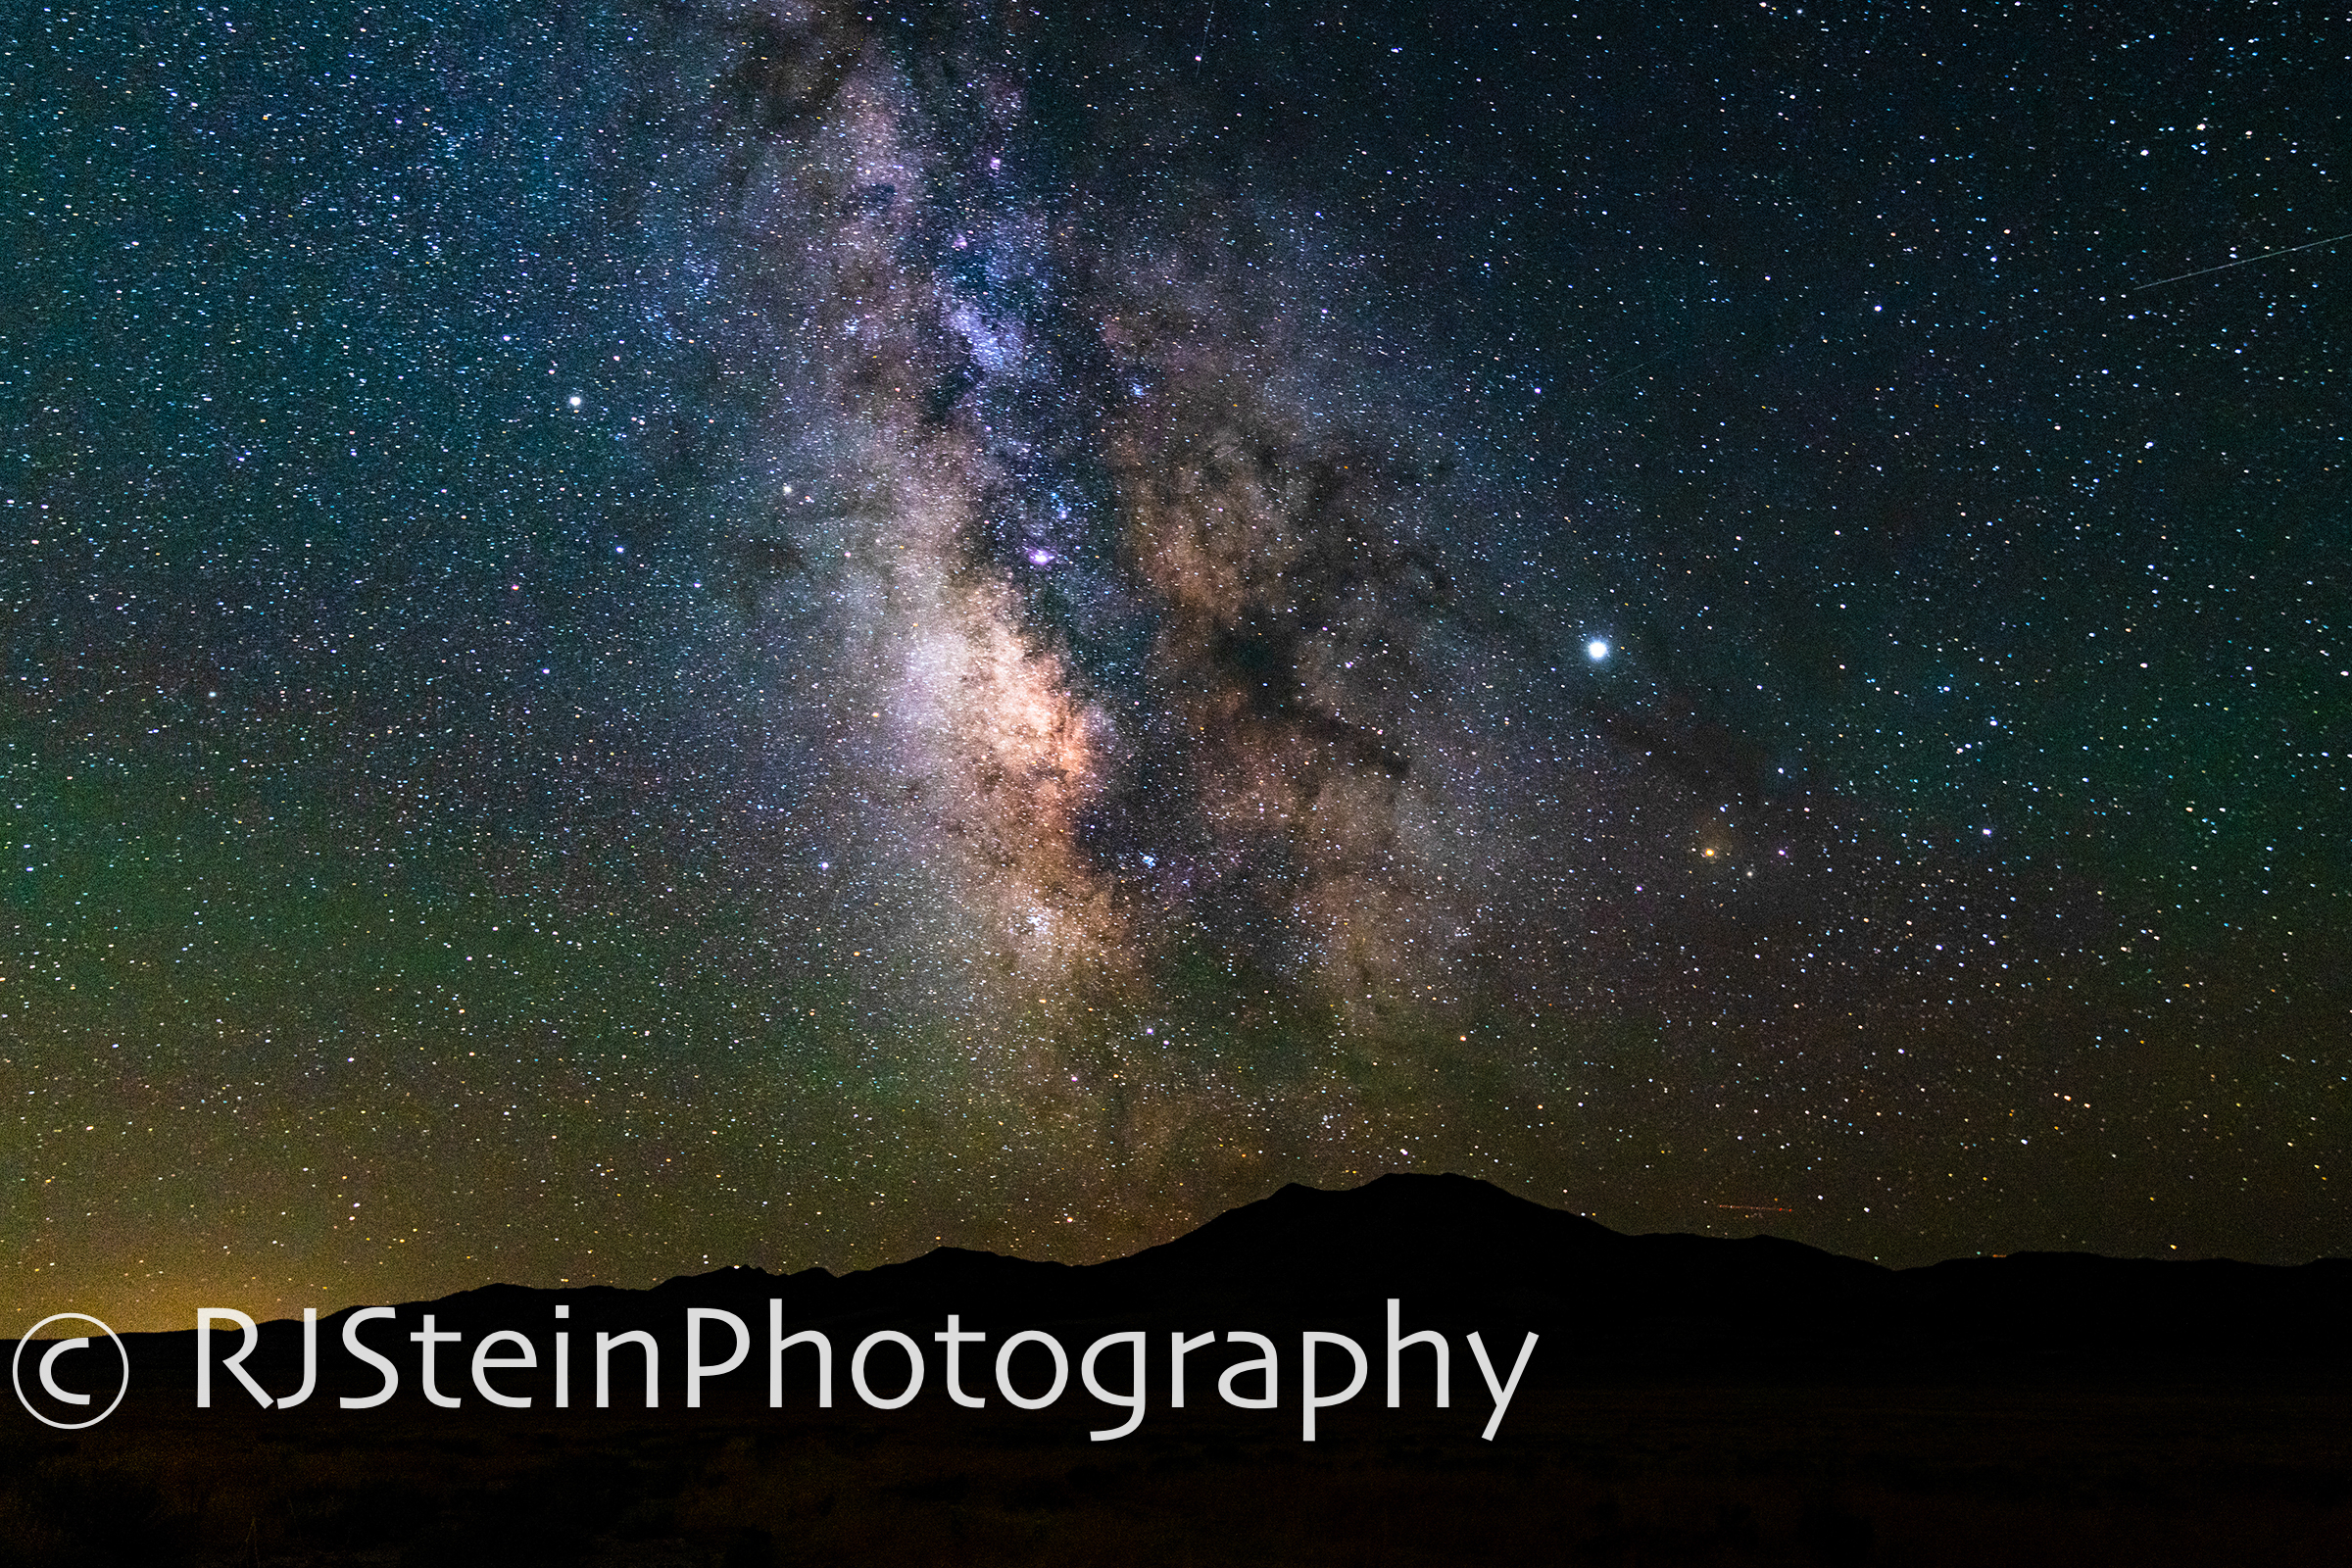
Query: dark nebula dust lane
(778,633)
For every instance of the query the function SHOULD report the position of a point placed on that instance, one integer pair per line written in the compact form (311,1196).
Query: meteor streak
(2241,262)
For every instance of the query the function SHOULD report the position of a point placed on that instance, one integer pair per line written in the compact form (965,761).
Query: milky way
(1142,617)
(776,634)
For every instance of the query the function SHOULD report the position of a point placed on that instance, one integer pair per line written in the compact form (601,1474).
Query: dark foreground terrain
(1617,1476)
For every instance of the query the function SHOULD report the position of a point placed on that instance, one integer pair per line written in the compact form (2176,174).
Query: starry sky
(642,636)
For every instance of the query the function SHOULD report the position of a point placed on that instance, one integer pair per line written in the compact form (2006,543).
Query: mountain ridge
(1462,1254)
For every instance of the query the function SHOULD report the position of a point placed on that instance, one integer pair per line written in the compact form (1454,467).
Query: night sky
(643,636)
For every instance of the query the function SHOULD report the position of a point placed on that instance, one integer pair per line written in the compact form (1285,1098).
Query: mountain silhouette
(1462,1254)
